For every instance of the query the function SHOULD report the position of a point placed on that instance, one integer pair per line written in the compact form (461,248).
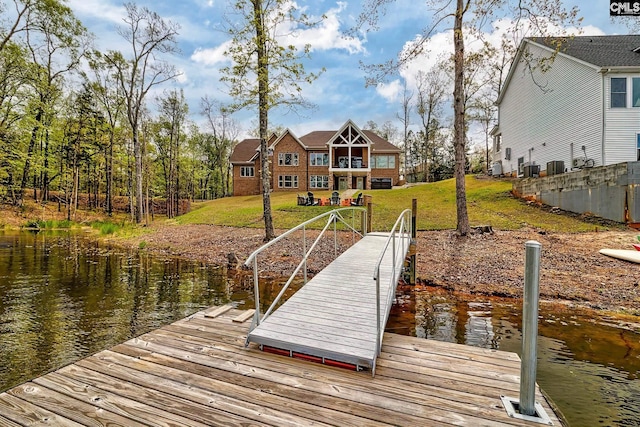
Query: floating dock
(333,318)
(198,372)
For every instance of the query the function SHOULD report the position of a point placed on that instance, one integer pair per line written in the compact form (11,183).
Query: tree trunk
(45,177)
(263,111)
(109,177)
(137,154)
(27,162)
(459,123)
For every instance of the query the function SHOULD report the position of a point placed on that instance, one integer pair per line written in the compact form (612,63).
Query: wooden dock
(334,316)
(197,372)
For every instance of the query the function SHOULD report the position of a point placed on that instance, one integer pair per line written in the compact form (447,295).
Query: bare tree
(148,35)
(405,118)
(110,98)
(259,55)
(469,17)
(224,132)
(429,106)
(169,136)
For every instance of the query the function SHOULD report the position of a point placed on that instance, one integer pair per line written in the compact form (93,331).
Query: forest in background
(74,120)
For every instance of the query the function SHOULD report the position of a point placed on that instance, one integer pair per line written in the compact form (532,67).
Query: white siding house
(583,111)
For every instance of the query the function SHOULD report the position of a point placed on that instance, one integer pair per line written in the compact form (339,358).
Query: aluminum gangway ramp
(338,316)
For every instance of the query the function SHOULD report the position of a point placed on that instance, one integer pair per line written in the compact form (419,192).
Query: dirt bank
(572,270)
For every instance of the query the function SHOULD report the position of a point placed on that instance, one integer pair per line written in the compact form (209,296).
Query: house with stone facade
(349,158)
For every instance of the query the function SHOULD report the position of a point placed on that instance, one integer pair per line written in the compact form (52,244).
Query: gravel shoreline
(572,271)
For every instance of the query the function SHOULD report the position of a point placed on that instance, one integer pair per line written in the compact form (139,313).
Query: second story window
(383,162)
(618,92)
(287,159)
(319,159)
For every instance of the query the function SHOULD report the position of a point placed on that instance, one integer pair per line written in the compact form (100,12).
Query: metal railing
(333,217)
(399,239)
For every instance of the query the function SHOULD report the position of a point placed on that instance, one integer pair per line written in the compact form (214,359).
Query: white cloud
(211,56)
(98,9)
(327,35)
(390,91)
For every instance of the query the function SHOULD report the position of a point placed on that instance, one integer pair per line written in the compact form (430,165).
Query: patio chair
(358,201)
(335,198)
(302,200)
(311,201)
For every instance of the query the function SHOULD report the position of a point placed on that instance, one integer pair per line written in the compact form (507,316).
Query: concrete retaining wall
(611,192)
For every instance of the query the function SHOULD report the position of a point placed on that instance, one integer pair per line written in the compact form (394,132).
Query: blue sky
(340,93)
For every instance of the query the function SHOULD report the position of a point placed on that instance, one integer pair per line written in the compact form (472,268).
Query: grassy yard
(489,202)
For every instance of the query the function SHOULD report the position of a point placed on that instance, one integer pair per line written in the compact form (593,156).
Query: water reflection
(63,297)
(588,365)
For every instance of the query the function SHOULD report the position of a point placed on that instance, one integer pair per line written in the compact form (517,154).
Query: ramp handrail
(399,248)
(334,216)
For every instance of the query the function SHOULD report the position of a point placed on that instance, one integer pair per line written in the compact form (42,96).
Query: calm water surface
(64,297)
(588,365)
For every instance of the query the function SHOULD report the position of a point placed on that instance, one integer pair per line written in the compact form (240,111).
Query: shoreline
(492,264)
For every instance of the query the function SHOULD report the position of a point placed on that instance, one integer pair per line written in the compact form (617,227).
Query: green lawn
(489,202)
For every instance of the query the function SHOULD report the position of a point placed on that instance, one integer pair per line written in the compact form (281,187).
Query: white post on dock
(528,366)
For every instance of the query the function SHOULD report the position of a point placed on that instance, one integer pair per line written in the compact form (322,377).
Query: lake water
(588,365)
(64,297)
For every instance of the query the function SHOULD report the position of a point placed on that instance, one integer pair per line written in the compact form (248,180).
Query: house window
(319,181)
(319,159)
(288,181)
(635,92)
(247,171)
(288,159)
(384,162)
(618,92)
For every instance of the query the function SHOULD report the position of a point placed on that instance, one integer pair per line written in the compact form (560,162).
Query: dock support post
(369,205)
(414,222)
(528,366)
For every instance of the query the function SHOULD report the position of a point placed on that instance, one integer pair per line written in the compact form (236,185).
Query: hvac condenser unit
(555,167)
(531,171)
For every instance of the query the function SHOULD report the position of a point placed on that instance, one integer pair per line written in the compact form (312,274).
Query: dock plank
(26,413)
(82,412)
(197,372)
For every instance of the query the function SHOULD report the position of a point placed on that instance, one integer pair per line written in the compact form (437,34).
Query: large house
(583,111)
(348,158)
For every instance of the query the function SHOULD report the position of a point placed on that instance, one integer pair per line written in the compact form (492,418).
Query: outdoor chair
(335,198)
(302,200)
(358,201)
(311,201)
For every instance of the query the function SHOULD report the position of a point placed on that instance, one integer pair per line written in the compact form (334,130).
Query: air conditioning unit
(531,171)
(578,163)
(521,167)
(507,153)
(555,167)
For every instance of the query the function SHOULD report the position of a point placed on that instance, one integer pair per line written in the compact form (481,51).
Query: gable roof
(245,151)
(601,51)
(248,149)
(281,137)
(317,139)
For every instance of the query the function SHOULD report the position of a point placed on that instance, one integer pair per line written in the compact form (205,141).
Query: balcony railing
(345,163)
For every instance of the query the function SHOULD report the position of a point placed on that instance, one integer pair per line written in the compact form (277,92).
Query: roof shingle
(245,150)
(602,51)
